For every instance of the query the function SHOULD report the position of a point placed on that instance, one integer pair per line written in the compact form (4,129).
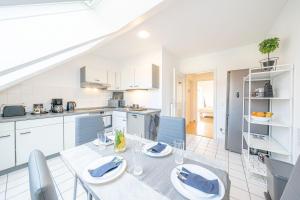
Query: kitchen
(85,86)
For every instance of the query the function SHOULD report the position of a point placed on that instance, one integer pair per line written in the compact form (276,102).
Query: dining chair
(40,180)
(170,129)
(291,190)
(86,129)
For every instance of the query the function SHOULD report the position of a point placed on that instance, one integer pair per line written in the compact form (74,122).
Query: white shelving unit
(276,139)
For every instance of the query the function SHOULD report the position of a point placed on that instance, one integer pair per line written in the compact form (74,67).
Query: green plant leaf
(269,45)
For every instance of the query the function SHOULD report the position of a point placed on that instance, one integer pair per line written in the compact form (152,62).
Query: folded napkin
(199,182)
(107,167)
(159,147)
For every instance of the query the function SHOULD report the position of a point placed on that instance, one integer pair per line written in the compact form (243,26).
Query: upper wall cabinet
(93,77)
(142,77)
(114,81)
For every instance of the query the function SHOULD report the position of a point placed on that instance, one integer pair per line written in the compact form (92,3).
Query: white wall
(61,82)
(145,98)
(219,63)
(169,62)
(287,28)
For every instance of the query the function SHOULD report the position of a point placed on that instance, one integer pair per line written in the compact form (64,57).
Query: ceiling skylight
(24,2)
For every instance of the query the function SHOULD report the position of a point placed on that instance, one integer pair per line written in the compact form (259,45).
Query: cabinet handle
(24,133)
(97,80)
(136,86)
(135,116)
(124,120)
(4,136)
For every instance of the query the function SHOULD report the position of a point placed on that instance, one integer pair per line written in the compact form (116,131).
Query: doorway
(200,104)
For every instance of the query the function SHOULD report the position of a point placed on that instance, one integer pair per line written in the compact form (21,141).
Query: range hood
(89,79)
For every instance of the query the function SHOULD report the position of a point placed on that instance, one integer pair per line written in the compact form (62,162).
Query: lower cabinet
(7,145)
(69,130)
(42,134)
(136,124)
(119,121)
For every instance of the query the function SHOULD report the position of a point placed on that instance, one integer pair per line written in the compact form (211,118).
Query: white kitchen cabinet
(7,145)
(69,130)
(119,121)
(42,134)
(114,80)
(94,74)
(136,124)
(140,77)
(127,78)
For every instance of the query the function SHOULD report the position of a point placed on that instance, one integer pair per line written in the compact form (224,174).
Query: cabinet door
(143,77)
(111,80)
(119,121)
(48,139)
(95,74)
(127,78)
(69,135)
(118,81)
(135,124)
(69,130)
(7,146)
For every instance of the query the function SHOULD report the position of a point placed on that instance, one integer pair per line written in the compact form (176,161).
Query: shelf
(266,75)
(253,165)
(268,98)
(267,144)
(272,122)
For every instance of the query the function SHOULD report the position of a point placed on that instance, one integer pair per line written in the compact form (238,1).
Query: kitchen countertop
(79,111)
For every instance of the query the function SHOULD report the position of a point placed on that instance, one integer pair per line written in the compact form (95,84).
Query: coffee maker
(57,106)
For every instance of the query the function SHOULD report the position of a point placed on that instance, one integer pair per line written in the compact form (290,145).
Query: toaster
(13,110)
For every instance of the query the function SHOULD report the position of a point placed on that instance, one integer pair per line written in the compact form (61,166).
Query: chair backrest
(40,180)
(170,129)
(86,128)
(291,190)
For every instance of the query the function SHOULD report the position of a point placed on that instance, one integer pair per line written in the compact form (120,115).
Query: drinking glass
(101,140)
(179,151)
(137,154)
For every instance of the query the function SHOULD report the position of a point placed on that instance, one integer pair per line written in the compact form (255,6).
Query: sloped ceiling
(193,27)
(38,38)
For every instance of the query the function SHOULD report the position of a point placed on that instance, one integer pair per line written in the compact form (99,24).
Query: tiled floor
(244,186)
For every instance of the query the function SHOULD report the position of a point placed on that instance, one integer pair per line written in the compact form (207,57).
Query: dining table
(153,184)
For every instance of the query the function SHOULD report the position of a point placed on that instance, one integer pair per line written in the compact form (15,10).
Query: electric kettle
(71,105)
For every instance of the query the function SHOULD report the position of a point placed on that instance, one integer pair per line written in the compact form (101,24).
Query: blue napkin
(199,182)
(159,147)
(107,167)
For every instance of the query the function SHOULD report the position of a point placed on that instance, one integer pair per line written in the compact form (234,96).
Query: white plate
(163,153)
(261,119)
(106,177)
(96,142)
(192,193)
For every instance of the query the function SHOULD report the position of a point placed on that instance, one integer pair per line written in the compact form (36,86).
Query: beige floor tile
(18,190)
(255,197)
(239,194)
(3,179)
(239,183)
(22,196)
(257,190)
(237,174)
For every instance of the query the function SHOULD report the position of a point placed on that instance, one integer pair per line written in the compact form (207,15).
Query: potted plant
(266,47)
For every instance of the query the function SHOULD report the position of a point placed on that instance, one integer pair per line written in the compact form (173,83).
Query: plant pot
(268,64)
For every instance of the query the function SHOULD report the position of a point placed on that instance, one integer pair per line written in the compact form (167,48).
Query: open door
(177,106)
